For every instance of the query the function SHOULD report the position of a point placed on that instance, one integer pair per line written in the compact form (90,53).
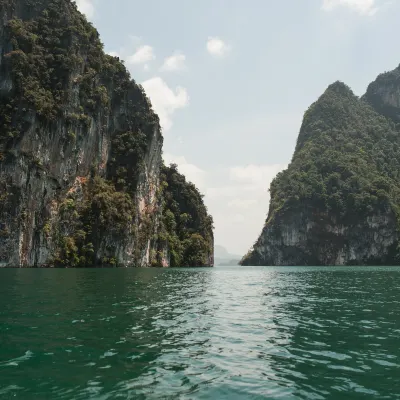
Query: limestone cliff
(338,202)
(384,94)
(186,228)
(80,146)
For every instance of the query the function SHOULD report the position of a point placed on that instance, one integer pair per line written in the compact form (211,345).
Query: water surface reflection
(226,333)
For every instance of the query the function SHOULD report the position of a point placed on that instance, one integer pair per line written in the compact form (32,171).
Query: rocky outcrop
(80,146)
(186,228)
(338,201)
(305,237)
(384,94)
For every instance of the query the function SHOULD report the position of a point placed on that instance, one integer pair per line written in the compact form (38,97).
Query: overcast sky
(231,79)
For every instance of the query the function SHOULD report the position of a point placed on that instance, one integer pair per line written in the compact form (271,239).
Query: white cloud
(230,191)
(217,47)
(135,53)
(86,7)
(142,55)
(192,172)
(240,203)
(165,100)
(114,54)
(236,198)
(134,42)
(255,174)
(176,62)
(238,218)
(364,7)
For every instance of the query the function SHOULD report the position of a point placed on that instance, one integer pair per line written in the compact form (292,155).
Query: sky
(231,80)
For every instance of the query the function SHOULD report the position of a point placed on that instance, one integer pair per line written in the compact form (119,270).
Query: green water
(222,333)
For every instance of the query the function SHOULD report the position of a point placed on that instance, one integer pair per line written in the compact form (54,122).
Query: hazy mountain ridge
(223,257)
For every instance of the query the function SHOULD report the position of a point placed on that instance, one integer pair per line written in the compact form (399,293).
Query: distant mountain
(223,257)
(226,263)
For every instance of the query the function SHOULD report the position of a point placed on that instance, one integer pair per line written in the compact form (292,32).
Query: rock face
(338,202)
(80,146)
(186,228)
(384,94)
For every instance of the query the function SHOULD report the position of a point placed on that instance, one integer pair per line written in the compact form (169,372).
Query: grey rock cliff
(338,201)
(71,119)
(304,238)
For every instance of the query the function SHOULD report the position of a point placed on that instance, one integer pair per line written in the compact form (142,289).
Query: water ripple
(223,333)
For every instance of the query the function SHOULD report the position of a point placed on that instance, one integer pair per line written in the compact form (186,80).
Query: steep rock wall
(384,94)
(185,232)
(80,146)
(338,202)
(306,237)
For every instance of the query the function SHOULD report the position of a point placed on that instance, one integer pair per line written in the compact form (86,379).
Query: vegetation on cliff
(346,165)
(58,70)
(384,94)
(90,209)
(58,88)
(186,227)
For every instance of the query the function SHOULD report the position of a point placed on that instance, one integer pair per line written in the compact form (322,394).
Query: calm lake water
(222,333)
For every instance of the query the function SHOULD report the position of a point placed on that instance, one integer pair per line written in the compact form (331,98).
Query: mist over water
(222,333)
